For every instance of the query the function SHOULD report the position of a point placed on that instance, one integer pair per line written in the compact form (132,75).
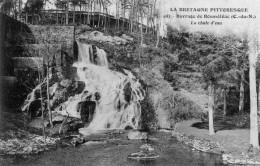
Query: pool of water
(113,151)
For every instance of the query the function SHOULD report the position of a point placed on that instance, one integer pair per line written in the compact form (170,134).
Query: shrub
(241,120)
(148,115)
(185,110)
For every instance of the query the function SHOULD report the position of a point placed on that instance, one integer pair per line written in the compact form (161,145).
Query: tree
(7,6)
(224,102)
(253,53)
(63,4)
(117,13)
(105,4)
(99,13)
(142,6)
(216,69)
(242,66)
(67,12)
(74,3)
(34,7)
(32,51)
(158,20)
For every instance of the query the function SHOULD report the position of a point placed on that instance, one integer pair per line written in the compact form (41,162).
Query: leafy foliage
(222,60)
(33,6)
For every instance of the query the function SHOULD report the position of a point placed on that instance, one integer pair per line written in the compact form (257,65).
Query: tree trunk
(19,15)
(73,14)
(105,21)
(103,13)
(67,12)
(132,14)
(99,14)
(141,41)
(57,17)
(147,21)
(109,21)
(42,110)
(157,26)
(258,106)
(225,102)
(117,13)
(88,16)
(48,97)
(158,36)
(242,95)
(84,17)
(80,22)
(93,15)
(211,108)
(253,97)
(26,18)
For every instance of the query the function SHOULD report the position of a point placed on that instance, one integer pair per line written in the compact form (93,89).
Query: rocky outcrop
(203,145)
(135,134)
(100,37)
(28,144)
(145,153)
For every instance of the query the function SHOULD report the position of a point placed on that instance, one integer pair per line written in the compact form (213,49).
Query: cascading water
(116,95)
(113,109)
(88,54)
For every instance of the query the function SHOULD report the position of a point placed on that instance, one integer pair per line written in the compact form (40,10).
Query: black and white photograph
(129,82)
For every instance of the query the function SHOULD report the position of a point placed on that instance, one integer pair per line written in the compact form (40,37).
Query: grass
(233,140)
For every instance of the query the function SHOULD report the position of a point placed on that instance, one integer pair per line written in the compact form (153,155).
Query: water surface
(114,152)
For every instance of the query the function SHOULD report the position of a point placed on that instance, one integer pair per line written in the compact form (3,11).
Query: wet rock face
(94,60)
(127,92)
(35,109)
(87,109)
(80,86)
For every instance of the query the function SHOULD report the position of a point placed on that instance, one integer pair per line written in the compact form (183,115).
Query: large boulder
(136,134)
(146,148)
(38,123)
(143,156)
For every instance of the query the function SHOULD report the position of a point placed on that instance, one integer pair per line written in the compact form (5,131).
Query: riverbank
(114,149)
(232,144)
(17,138)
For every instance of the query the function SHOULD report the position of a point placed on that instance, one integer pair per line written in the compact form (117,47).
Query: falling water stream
(116,94)
(113,110)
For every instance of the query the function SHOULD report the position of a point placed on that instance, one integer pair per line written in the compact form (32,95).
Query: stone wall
(14,34)
(63,35)
(10,31)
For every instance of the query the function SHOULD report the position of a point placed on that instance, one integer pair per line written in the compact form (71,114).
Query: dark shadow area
(11,46)
(75,52)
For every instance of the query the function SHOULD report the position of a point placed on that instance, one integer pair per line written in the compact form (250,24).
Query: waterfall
(89,54)
(116,95)
(115,109)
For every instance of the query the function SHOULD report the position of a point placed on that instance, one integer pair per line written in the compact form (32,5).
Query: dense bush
(148,115)
(184,110)
(242,120)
